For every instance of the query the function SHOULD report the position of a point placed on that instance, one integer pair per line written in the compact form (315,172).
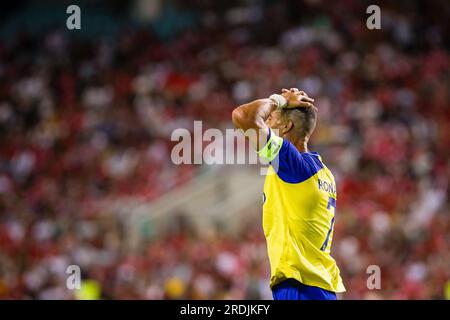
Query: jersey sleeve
(272,147)
(291,165)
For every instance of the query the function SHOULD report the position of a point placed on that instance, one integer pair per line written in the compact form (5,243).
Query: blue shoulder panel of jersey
(293,166)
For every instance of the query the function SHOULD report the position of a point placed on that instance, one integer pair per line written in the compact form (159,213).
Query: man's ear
(287,126)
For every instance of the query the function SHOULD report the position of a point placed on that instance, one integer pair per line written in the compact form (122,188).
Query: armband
(272,147)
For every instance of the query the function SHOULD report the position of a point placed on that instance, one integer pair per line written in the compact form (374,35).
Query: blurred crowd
(83,121)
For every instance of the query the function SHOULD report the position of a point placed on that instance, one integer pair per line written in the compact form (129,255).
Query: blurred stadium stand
(85,124)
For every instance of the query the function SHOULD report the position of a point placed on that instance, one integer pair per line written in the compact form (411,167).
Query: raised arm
(251,117)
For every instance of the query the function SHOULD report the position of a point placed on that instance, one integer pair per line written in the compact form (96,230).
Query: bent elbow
(237,116)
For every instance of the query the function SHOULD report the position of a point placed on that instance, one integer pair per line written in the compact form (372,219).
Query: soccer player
(299,196)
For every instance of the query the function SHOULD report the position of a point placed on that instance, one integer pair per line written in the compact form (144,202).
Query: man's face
(274,120)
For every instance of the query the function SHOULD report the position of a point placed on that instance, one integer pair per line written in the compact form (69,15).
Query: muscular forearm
(253,115)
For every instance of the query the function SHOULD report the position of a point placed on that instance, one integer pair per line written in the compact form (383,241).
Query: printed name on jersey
(327,186)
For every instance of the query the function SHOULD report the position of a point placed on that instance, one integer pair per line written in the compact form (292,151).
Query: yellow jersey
(298,216)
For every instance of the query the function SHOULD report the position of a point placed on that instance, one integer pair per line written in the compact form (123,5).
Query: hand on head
(297,98)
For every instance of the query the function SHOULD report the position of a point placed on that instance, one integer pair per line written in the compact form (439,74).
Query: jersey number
(331,206)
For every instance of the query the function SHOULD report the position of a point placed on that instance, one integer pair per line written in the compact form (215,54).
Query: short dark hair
(304,119)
